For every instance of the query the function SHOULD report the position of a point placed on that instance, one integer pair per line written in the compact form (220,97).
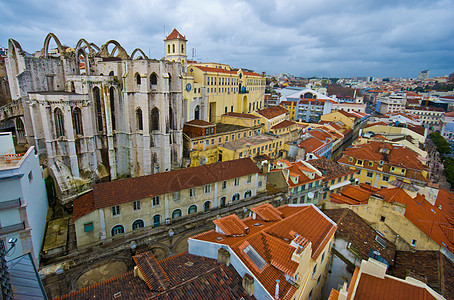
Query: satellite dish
(310,195)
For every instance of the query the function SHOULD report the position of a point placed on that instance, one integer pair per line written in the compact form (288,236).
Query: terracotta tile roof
(283,124)
(330,169)
(297,169)
(231,226)
(371,288)
(395,194)
(241,115)
(347,114)
(216,70)
(188,277)
(175,35)
(272,239)
(321,135)
(251,73)
(267,212)
(272,112)
(127,190)
(311,144)
(334,295)
(354,229)
(392,155)
(199,123)
(449,114)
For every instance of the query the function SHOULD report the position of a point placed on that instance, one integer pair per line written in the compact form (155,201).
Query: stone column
(48,134)
(69,133)
(110,141)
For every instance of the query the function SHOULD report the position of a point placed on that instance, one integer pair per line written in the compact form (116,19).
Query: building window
(176,213)
(310,295)
(139,119)
(249,179)
(385,178)
(212,141)
(155,200)
(138,224)
(97,96)
(224,185)
(77,121)
(319,279)
(382,219)
(138,79)
(88,227)
(206,206)
(192,209)
(30,176)
(154,119)
(237,182)
(236,197)
(413,243)
(226,139)
(314,270)
(248,194)
(369,174)
(136,205)
(323,257)
(176,196)
(118,229)
(59,124)
(116,210)
(156,221)
(153,79)
(192,192)
(207,189)
(359,162)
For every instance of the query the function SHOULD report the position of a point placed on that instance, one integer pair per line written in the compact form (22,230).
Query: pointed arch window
(112,107)
(59,125)
(182,48)
(138,79)
(77,121)
(139,119)
(98,109)
(197,112)
(170,82)
(153,79)
(154,119)
(171,118)
(168,48)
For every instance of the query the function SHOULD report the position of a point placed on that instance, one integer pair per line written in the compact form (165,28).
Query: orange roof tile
(175,35)
(231,225)
(273,112)
(283,124)
(267,212)
(241,115)
(216,70)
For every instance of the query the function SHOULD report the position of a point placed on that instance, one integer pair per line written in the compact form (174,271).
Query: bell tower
(175,47)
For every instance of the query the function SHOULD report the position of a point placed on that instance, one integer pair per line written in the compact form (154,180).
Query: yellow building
(124,207)
(346,118)
(272,116)
(291,107)
(378,164)
(247,120)
(213,89)
(252,146)
(201,139)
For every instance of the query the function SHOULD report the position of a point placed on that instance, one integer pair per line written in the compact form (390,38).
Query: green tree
(442,145)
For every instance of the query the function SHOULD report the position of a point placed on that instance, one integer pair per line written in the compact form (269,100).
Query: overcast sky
(306,38)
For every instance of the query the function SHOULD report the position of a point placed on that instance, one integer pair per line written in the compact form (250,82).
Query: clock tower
(175,47)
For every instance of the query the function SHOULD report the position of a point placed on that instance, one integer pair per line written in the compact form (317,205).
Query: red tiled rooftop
(175,35)
(197,122)
(241,115)
(216,70)
(283,124)
(273,112)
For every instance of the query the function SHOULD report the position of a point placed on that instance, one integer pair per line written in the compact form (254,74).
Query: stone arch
(138,50)
(47,42)
(80,51)
(14,50)
(94,46)
(91,49)
(104,52)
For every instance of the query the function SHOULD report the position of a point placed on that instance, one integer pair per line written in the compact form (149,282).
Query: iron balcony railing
(10,204)
(12,228)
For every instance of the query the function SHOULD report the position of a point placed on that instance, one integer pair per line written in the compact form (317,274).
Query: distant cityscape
(124,176)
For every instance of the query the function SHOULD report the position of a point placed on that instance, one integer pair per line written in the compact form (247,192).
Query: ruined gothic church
(97,114)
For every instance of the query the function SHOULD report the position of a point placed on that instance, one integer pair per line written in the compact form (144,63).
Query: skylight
(255,257)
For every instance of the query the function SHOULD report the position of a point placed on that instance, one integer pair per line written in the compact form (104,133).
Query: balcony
(12,228)
(10,204)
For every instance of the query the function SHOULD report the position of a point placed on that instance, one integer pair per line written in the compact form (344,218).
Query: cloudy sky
(306,38)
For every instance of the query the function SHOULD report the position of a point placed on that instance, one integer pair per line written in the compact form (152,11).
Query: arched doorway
(192,209)
(197,112)
(117,229)
(176,213)
(223,201)
(137,224)
(156,221)
(206,206)
(236,197)
(248,194)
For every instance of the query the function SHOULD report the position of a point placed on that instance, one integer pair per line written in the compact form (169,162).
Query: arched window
(197,112)
(98,109)
(77,121)
(173,48)
(153,79)
(236,197)
(137,224)
(73,87)
(111,73)
(139,119)
(117,229)
(182,48)
(154,119)
(112,107)
(192,209)
(248,194)
(176,213)
(138,79)
(156,221)
(59,125)
(223,201)
(206,206)
(168,48)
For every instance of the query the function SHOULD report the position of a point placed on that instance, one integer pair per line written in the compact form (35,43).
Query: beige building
(272,116)
(120,208)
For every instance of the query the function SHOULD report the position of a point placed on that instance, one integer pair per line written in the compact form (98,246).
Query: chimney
(248,284)
(224,256)
(276,293)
